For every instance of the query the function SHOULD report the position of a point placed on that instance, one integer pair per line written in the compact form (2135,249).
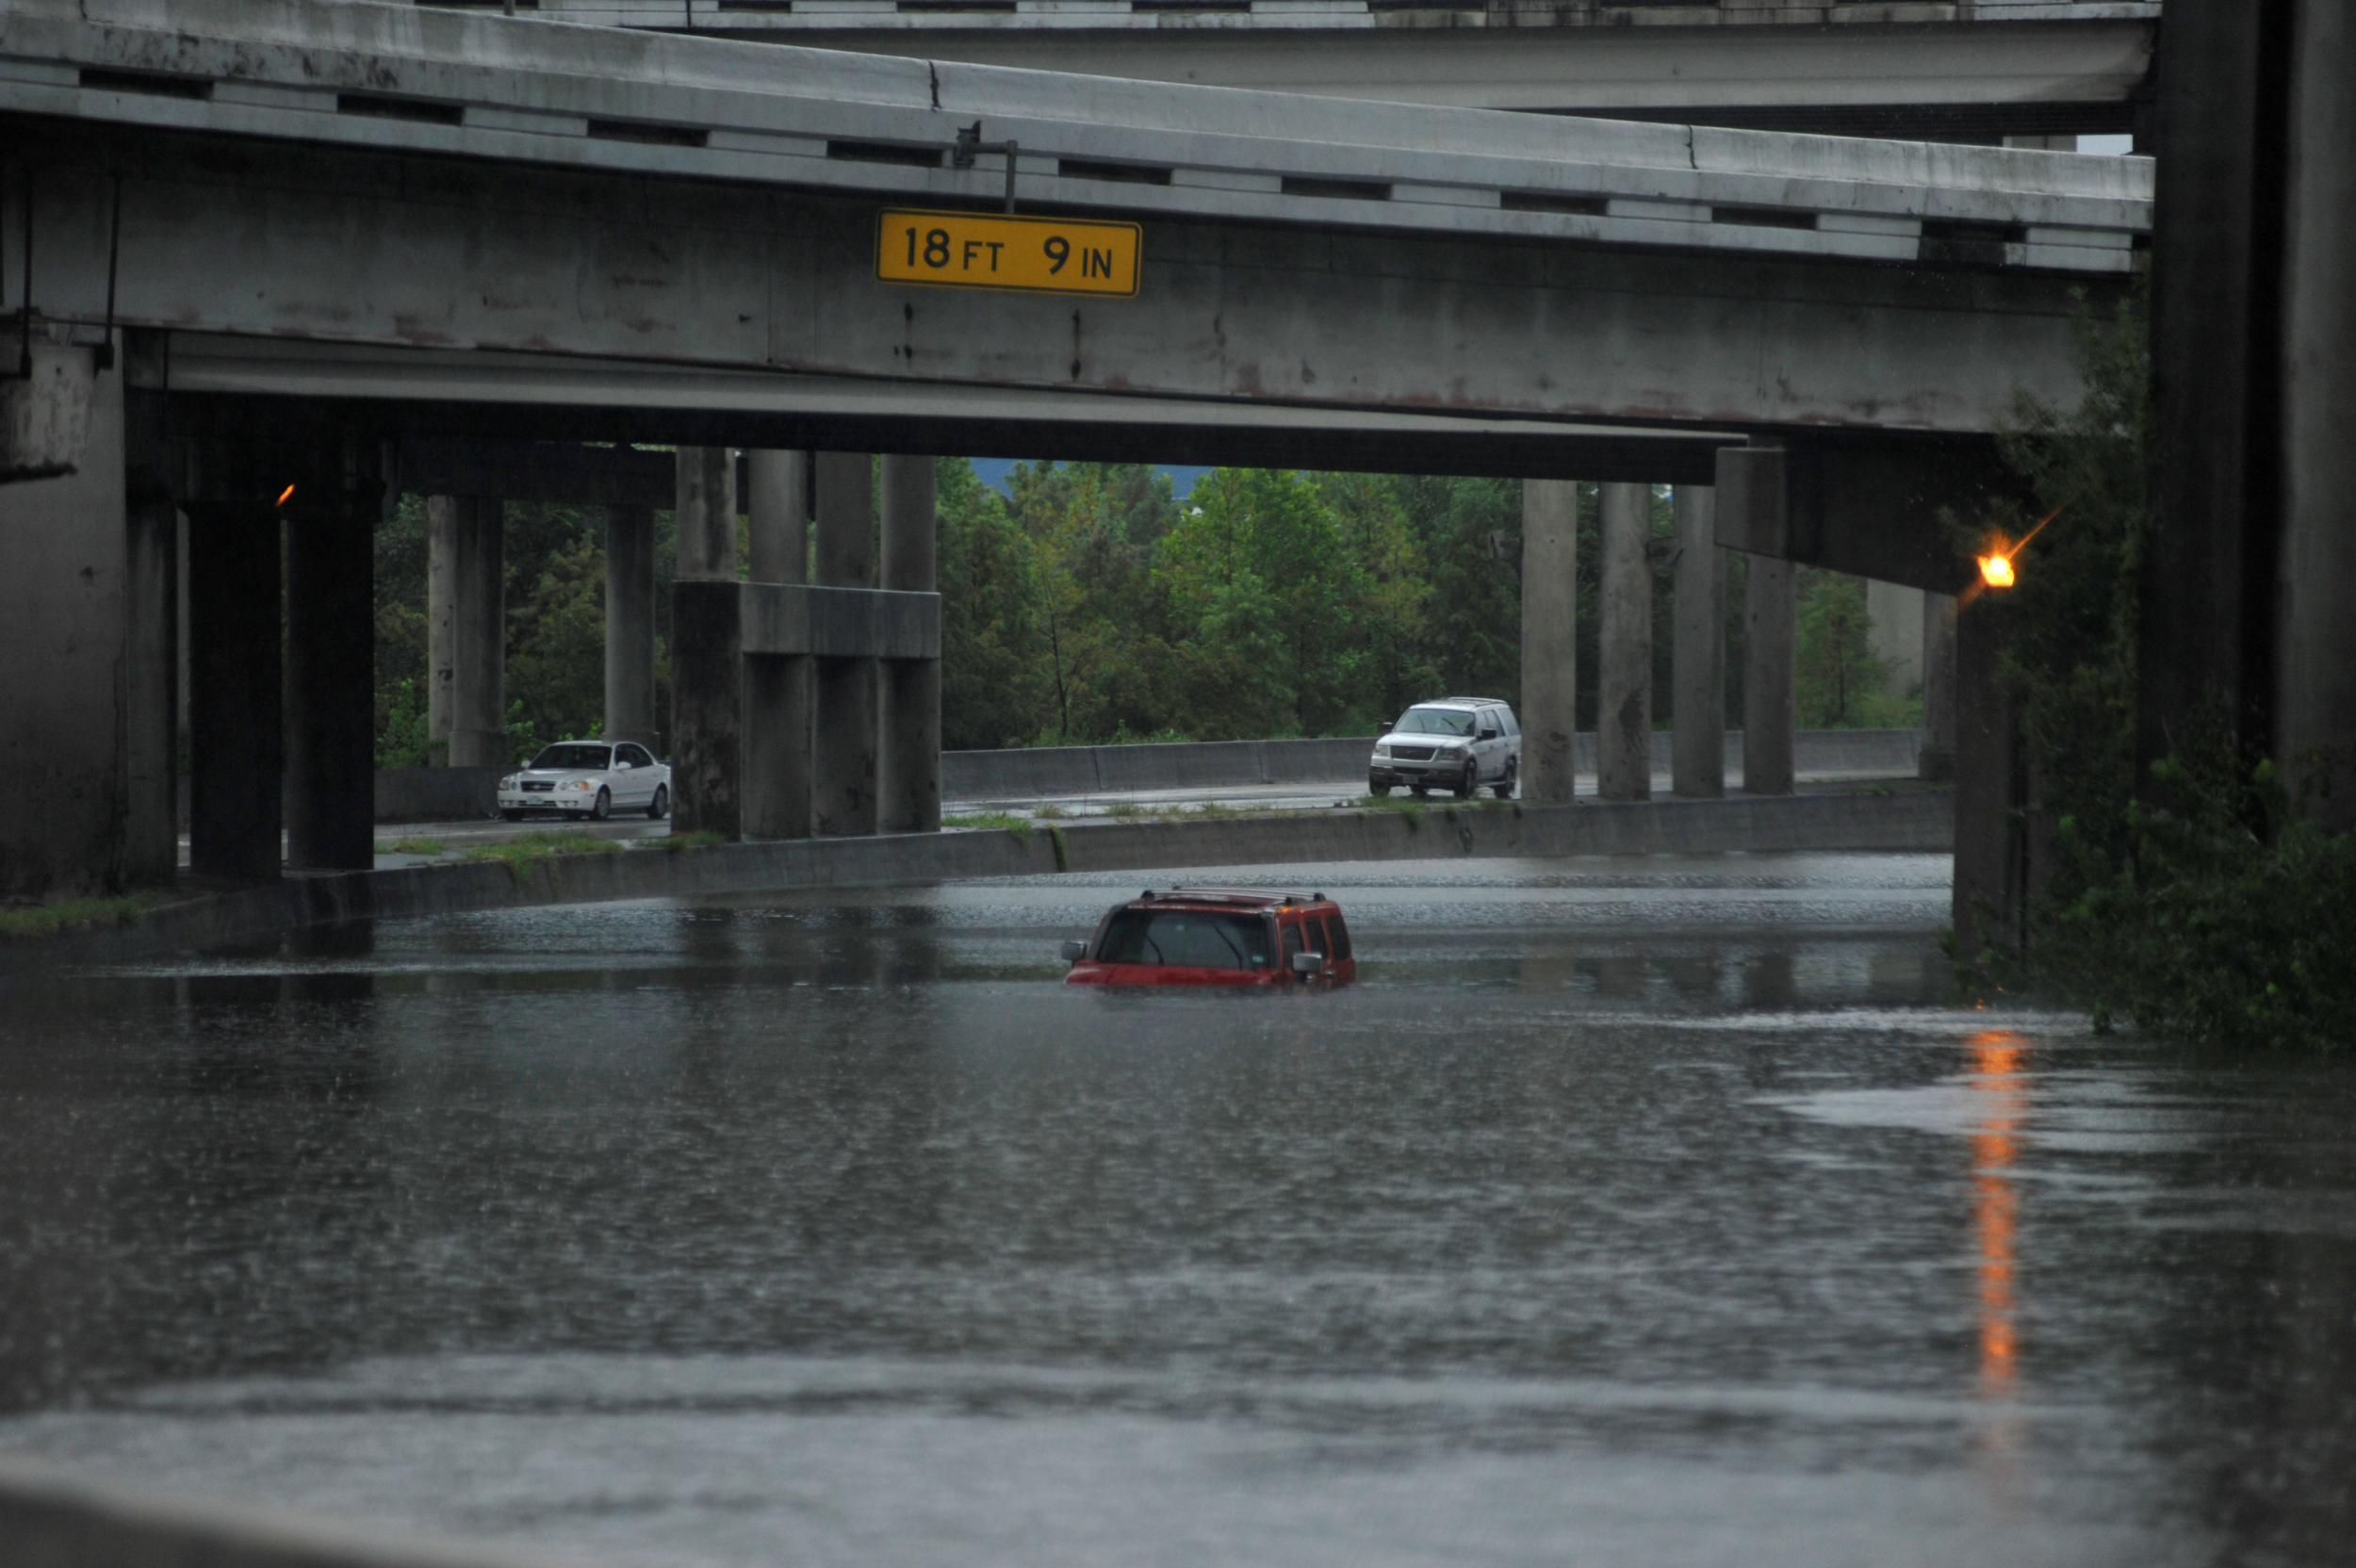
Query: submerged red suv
(1216,936)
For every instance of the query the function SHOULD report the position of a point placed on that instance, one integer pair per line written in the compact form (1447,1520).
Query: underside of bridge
(244,286)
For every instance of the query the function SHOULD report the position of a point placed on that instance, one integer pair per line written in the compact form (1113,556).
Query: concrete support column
(845,717)
(1549,708)
(707,707)
(1698,736)
(629,623)
(1990,885)
(478,702)
(777,695)
(2316,645)
(705,515)
(909,766)
(441,622)
(1769,612)
(236,731)
(1937,760)
(331,660)
(1623,675)
(707,650)
(153,597)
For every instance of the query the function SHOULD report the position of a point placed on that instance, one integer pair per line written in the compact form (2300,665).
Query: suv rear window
(1196,939)
(1338,934)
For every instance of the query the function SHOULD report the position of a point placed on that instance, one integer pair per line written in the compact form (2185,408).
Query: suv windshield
(1198,939)
(1434,720)
(572,757)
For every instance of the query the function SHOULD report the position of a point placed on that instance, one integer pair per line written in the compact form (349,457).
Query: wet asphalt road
(1642,1211)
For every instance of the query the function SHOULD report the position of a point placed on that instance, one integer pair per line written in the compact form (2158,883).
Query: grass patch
(1020,827)
(412,846)
(517,854)
(1047,810)
(1210,810)
(76,914)
(1125,810)
(678,843)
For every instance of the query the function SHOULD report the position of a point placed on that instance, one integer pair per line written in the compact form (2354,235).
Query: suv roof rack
(1252,895)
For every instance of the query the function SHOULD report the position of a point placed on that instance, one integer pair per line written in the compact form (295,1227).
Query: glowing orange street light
(1996,571)
(286,495)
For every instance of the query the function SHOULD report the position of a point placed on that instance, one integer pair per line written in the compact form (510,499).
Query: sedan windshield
(1197,939)
(573,757)
(1434,720)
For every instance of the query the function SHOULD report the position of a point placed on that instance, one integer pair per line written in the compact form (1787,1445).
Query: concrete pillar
(779,511)
(909,762)
(629,623)
(1623,674)
(707,707)
(845,717)
(705,514)
(235,732)
(1550,705)
(84,600)
(1893,632)
(778,697)
(1698,737)
(1990,882)
(152,675)
(1769,611)
(331,658)
(707,650)
(1937,760)
(441,622)
(2315,644)
(478,704)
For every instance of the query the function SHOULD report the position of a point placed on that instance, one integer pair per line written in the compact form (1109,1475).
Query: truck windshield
(1196,939)
(572,757)
(1434,720)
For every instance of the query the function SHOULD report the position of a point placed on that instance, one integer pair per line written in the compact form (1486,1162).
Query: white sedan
(588,779)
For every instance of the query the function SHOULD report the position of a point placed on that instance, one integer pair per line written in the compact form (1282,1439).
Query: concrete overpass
(1982,70)
(312,227)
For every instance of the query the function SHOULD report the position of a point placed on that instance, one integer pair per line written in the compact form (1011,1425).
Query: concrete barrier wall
(1039,772)
(1918,820)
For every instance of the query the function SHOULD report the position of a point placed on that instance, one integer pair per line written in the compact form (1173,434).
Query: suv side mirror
(1074,952)
(1307,964)
(1490,734)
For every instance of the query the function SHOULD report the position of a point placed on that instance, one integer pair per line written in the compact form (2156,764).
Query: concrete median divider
(1919,820)
(1053,772)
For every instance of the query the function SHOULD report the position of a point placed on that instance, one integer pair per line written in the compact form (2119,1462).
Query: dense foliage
(2202,906)
(1087,603)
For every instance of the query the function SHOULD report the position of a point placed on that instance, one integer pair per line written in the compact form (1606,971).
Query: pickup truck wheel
(1466,786)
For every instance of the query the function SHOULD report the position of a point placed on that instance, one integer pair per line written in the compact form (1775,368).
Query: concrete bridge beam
(236,697)
(707,679)
(1550,705)
(1698,724)
(1624,678)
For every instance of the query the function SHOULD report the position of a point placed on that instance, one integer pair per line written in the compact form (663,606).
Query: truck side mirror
(1308,964)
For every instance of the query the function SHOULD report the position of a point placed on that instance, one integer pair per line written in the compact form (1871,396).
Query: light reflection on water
(1642,1210)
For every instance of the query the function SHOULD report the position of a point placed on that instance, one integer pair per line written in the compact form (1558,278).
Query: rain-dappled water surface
(1641,1211)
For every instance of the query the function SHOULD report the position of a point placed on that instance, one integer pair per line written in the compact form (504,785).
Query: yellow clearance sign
(1045,255)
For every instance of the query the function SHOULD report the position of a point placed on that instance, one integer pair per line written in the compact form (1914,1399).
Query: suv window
(1197,939)
(1337,936)
(1511,726)
(1292,941)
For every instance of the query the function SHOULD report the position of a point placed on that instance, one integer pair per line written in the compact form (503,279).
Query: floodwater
(1628,1212)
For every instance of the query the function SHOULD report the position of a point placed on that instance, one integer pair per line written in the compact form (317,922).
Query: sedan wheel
(512,816)
(604,808)
(660,806)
